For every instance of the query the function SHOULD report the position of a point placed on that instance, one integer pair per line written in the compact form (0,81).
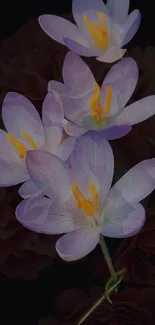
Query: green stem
(107,258)
(110,289)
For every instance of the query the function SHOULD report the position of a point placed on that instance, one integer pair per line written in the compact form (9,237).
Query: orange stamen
(98,32)
(19,146)
(29,140)
(89,207)
(98,113)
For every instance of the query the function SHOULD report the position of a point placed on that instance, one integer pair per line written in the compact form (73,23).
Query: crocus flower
(26,131)
(79,200)
(101,31)
(87,106)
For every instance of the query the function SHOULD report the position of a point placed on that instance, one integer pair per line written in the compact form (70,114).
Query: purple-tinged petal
(29,190)
(116,100)
(123,220)
(52,115)
(137,112)
(118,10)
(124,70)
(77,244)
(130,27)
(44,216)
(115,35)
(19,114)
(72,129)
(137,183)
(79,48)
(49,173)
(57,28)
(76,109)
(81,8)
(77,75)
(65,148)
(93,156)
(59,87)
(12,169)
(116,131)
(111,55)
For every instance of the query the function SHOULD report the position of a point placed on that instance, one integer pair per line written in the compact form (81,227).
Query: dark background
(27,294)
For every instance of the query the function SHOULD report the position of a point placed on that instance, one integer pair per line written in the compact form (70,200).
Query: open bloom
(101,31)
(26,131)
(88,106)
(80,202)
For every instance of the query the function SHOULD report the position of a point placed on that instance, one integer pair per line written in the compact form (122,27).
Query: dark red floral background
(36,287)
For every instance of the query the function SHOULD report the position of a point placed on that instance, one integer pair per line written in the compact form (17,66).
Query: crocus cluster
(64,160)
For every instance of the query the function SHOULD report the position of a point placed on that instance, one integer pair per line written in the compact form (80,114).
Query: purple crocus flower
(88,106)
(101,30)
(80,201)
(26,131)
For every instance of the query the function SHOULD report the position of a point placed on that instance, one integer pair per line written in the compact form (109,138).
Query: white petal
(81,8)
(130,27)
(77,75)
(122,219)
(137,112)
(58,28)
(118,10)
(44,216)
(73,129)
(126,69)
(12,169)
(50,174)
(137,183)
(19,114)
(111,55)
(52,115)
(77,244)
(93,157)
(29,190)
(65,148)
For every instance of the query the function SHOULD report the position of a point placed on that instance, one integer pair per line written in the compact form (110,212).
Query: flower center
(89,207)
(98,32)
(64,137)
(100,114)
(19,146)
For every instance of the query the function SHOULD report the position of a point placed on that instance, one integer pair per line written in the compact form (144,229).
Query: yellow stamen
(107,102)
(98,32)
(18,145)
(94,197)
(98,112)
(89,207)
(103,25)
(29,140)
(96,106)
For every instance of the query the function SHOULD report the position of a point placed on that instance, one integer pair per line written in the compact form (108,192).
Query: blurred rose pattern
(130,306)
(22,252)
(28,60)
